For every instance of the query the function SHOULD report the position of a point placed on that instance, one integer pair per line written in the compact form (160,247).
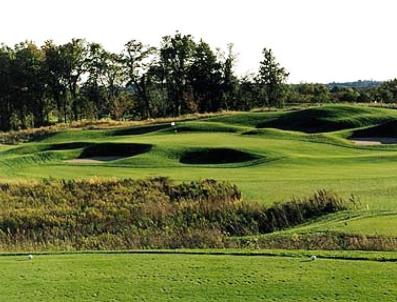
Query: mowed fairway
(147,277)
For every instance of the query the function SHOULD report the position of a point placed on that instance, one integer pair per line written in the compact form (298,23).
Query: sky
(315,40)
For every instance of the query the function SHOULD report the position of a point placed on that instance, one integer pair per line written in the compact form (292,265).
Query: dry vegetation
(152,213)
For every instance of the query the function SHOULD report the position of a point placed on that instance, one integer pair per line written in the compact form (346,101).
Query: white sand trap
(371,141)
(94,160)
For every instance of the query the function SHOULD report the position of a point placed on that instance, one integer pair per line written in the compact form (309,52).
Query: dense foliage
(120,214)
(78,80)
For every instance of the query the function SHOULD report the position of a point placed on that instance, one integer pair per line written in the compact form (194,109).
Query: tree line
(77,80)
(381,92)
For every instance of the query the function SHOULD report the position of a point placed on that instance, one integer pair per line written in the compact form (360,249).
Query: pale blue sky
(316,40)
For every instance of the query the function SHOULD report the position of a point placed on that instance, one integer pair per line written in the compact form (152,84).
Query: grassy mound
(216,156)
(114,150)
(387,129)
(37,148)
(205,127)
(312,120)
(140,129)
(26,149)
(34,159)
(247,119)
(328,118)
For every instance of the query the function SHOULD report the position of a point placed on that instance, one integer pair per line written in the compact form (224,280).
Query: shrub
(150,213)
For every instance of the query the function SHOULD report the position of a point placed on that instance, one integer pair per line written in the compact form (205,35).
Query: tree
(248,93)
(205,77)
(54,64)
(176,56)
(29,85)
(6,88)
(309,93)
(387,92)
(120,105)
(345,94)
(137,59)
(105,80)
(114,78)
(272,78)
(83,80)
(93,91)
(75,57)
(230,81)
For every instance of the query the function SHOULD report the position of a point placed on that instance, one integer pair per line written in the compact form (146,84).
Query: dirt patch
(371,141)
(94,160)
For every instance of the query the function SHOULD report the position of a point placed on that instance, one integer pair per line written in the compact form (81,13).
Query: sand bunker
(371,141)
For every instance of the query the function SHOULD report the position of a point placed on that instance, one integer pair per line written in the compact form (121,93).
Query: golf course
(272,157)
(198,151)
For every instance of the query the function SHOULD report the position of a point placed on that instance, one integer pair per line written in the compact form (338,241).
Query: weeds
(151,213)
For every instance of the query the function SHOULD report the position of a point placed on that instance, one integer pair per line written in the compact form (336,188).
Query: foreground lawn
(150,277)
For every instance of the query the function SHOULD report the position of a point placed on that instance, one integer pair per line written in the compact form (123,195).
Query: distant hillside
(357,84)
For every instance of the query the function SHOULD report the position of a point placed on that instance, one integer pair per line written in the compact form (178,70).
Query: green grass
(276,165)
(151,277)
(378,224)
(301,151)
(315,119)
(383,225)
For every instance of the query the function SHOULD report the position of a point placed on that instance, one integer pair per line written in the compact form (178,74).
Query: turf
(315,119)
(271,156)
(268,164)
(150,277)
